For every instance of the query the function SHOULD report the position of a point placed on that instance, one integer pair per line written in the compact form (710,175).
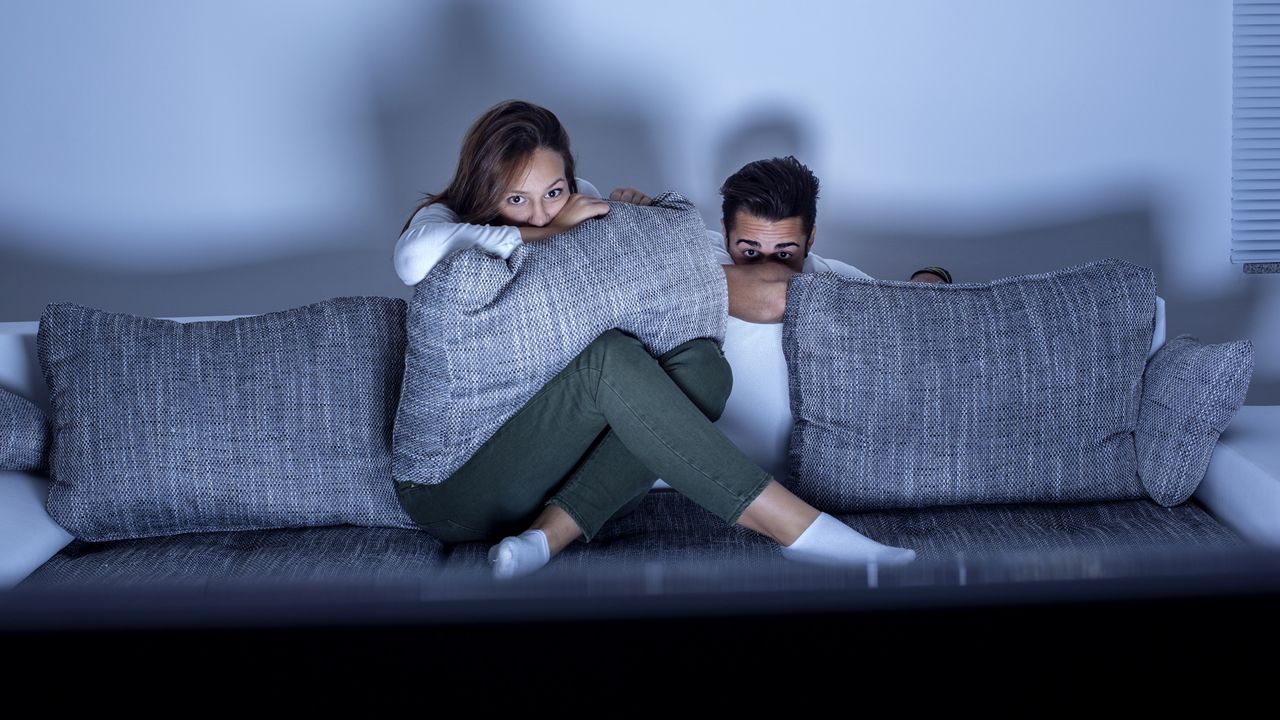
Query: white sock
(828,541)
(519,554)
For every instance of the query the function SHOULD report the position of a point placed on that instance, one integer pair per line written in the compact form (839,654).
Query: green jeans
(593,440)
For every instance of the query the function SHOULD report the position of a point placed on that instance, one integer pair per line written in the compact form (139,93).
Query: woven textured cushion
(1024,389)
(271,421)
(485,334)
(24,434)
(1190,393)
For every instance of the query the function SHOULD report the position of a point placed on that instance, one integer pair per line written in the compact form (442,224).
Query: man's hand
(758,292)
(931,274)
(630,195)
(576,209)
(923,276)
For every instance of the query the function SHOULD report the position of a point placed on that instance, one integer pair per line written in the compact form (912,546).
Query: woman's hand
(577,208)
(630,195)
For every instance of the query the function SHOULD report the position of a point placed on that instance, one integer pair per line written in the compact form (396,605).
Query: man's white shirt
(757,416)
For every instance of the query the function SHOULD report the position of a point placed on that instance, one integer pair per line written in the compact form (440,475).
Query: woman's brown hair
(496,146)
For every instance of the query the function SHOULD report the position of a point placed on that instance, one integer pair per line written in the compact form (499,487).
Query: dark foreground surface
(1074,621)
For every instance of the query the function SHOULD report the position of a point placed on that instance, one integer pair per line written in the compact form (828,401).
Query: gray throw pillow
(271,421)
(485,334)
(1190,393)
(1023,389)
(24,434)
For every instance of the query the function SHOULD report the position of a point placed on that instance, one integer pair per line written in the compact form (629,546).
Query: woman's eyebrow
(521,192)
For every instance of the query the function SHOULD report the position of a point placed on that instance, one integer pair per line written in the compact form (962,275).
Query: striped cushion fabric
(1190,393)
(1024,389)
(485,334)
(270,421)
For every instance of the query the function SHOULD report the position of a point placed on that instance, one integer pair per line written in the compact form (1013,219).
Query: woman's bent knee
(617,345)
(613,336)
(704,374)
(698,366)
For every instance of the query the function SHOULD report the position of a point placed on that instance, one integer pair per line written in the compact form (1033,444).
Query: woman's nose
(540,215)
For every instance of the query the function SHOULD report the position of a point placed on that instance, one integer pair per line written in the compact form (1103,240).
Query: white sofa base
(1242,485)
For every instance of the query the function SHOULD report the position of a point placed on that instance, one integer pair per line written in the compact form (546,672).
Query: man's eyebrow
(753,243)
(517,192)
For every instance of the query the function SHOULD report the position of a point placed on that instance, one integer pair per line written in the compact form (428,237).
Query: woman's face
(538,192)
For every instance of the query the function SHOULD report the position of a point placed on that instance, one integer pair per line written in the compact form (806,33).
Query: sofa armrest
(1241,488)
(28,536)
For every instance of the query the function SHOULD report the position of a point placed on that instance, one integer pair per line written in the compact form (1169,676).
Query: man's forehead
(757,228)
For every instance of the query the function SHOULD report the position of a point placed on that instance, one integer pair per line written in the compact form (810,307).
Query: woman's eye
(515,199)
(555,193)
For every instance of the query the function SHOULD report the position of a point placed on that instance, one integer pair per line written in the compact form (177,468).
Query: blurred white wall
(234,157)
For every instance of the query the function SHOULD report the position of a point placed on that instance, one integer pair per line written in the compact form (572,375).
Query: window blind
(1255,132)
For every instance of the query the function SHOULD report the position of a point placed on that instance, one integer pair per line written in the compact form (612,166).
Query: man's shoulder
(716,240)
(821,264)
(586,188)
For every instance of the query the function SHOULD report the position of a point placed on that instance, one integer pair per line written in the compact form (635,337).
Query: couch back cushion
(757,416)
(485,334)
(1190,393)
(1024,389)
(267,421)
(24,434)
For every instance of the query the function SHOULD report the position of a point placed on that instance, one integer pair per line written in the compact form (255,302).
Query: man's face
(755,240)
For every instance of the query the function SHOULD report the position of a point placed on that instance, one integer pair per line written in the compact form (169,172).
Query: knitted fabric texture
(485,334)
(271,421)
(1024,389)
(24,434)
(1190,393)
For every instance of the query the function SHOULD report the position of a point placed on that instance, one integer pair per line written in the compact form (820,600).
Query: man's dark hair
(774,189)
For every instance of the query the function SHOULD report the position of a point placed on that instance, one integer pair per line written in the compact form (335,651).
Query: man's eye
(748,252)
(515,199)
(784,255)
(555,193)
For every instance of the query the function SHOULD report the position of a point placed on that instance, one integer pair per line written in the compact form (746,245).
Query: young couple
(592,442)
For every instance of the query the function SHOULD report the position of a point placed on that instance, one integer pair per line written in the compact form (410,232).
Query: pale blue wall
(220,158)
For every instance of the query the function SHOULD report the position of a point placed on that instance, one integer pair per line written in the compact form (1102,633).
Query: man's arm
(931,274)
(758,292)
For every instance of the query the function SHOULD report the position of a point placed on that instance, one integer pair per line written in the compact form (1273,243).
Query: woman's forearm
(530,233)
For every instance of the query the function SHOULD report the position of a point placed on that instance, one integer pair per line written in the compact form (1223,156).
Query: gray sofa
(668,549)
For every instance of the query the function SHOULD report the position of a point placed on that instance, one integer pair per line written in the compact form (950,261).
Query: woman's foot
(519,554)
(828,541)
(809,535)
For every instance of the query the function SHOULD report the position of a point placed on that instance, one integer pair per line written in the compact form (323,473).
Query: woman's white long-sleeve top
(434,232)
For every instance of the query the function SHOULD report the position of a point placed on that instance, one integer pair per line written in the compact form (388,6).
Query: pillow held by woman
(485,334)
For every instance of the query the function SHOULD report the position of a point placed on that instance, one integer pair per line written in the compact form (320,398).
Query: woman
(591,443)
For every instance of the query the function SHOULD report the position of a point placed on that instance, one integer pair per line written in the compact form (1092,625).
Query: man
(769,209)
